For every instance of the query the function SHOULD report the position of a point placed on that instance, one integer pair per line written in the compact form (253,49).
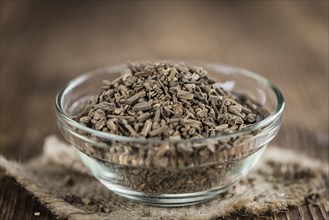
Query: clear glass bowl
(170,172)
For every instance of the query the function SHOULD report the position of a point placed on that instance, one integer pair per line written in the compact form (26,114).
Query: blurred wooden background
(44,44)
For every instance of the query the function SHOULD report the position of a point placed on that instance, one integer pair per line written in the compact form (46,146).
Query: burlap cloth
(59,180)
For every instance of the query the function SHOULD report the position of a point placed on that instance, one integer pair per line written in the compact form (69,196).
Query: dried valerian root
(164,100)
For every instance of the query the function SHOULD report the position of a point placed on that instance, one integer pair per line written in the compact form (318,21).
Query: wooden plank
(324,213)
(304,212)
(316,212)
(294,213)
(19,204)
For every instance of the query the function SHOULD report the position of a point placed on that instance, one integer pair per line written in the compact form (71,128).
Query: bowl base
(167,200)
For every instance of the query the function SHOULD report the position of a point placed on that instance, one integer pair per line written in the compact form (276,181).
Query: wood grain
(45,44)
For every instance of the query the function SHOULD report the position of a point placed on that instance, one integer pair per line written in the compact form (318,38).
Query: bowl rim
(276,113)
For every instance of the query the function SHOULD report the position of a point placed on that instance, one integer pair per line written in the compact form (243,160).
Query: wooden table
(45,44)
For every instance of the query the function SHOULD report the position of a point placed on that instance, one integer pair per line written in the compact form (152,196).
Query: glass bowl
(171,172)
